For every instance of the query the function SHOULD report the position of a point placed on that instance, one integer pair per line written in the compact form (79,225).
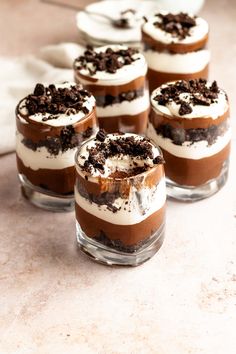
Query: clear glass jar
(170,57)
(122,97)
(45,159)
(120,219)
(196,148)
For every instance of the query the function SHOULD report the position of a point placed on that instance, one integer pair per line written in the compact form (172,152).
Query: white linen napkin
(18,76)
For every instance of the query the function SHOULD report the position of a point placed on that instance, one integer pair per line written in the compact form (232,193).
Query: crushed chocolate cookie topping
(109,61)
(185,108)
(107,100)
(101,135)
(56,101)
(198,93)
(141,149)
(118,244)
(179,135)
(68,139)
(39,90)
(105,198)
(158,160)
(178,25)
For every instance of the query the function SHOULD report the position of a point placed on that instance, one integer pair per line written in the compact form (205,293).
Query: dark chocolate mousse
(51,123)
(120,193)
(190,122)
(116,77)
(175,47)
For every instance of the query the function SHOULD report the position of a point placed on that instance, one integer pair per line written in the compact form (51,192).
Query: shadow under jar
(116,76)
(189,120)
(175,48)
(51,123)
(120,199)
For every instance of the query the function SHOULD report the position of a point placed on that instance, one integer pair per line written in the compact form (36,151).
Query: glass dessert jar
(120,198)
(51,123)
(189,120)
(175,48)
(116,76)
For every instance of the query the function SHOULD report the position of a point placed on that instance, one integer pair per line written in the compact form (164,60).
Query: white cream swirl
(62,118)
(132,210)
(41,158)
(189,150)
(122,76)
(213,111)
(121,163)
(186,63)
(125,108)
(196,33)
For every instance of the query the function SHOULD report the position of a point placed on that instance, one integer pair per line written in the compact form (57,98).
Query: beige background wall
(26,25)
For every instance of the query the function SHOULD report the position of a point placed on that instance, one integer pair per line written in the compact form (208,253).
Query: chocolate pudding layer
(175,48)
(189,120)
(124,238)
(136,122)
(116,75)
(186,171)
(51,123)
(60,181)
(120,190)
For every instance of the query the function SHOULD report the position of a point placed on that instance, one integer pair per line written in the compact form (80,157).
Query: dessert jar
(120,198)
(116,76)
(189,120)
(175,48)
(51,123)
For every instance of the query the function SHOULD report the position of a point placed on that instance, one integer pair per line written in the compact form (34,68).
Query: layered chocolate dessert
(116,76)
(189,120)
(51,123)
(120,198)
(175,48)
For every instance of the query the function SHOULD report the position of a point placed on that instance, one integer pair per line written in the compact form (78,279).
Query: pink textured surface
(55,300)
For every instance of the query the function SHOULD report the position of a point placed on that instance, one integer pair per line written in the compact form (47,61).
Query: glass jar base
(45,199)
(109,256)
(192,194)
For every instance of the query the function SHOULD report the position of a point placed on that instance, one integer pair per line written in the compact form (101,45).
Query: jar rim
(119,179)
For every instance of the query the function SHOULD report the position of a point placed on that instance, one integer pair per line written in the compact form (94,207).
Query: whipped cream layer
(133,210)
(41,158)
(131,108)
(214,110)
(120,163)
(177,63)
(196,33)
(122,76)
(62,119)
(188,150)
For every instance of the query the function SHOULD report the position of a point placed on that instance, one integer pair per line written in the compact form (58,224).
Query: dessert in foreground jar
(175,48)
(190,122)
(120,198)
(116,77)
(51,123)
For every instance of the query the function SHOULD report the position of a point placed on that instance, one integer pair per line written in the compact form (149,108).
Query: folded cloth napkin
(18,76)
